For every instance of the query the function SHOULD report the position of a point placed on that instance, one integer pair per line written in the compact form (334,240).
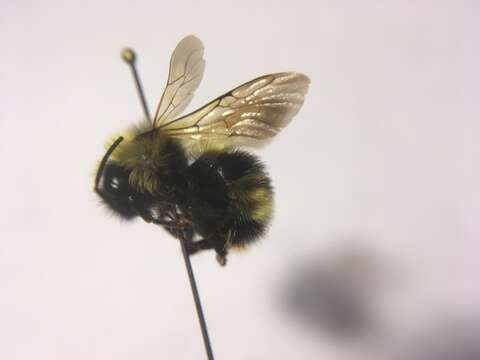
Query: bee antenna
(129,56)
(104,161)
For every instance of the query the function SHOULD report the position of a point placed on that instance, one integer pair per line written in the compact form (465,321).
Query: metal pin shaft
(128,55)
(198,304)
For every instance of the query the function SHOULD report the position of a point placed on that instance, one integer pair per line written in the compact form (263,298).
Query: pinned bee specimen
(191,174)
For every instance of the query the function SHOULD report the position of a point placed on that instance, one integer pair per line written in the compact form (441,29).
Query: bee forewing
(186,72)
(256,110)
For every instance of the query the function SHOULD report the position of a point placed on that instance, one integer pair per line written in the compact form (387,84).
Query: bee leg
(190,247)
(221,250)
(221,257)
(195,246)
(208,244)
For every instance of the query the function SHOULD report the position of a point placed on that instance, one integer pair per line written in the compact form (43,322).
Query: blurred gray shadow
(335,294)
(339,295)
(455,336)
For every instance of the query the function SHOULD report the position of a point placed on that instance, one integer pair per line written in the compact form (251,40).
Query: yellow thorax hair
(147,156)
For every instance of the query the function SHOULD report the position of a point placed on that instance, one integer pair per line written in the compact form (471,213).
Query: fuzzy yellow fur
(142,154)
(256,203)
(145,157)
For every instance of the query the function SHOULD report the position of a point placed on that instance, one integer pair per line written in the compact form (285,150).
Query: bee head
(116,191)
(111,184)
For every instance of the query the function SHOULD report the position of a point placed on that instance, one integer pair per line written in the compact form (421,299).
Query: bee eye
(115,183)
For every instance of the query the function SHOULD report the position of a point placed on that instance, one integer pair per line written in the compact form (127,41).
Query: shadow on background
(335,294)
(455,336)
(342,297)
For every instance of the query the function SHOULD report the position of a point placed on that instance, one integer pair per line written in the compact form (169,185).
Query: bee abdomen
(231,197)
(251,196)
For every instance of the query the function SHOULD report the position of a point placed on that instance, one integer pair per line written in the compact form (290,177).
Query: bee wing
(186,72)
(256,110)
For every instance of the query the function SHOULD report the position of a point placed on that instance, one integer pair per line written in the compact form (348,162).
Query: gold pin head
(128,55)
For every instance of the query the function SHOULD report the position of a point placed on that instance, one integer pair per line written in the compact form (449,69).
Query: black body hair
(225,197)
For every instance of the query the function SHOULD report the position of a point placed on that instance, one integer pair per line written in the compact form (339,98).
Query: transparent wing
(256,110)
(186,72)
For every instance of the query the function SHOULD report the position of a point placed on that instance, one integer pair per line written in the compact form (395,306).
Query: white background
(384,154)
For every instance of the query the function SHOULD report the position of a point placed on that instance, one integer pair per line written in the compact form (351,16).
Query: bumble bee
(191,174)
